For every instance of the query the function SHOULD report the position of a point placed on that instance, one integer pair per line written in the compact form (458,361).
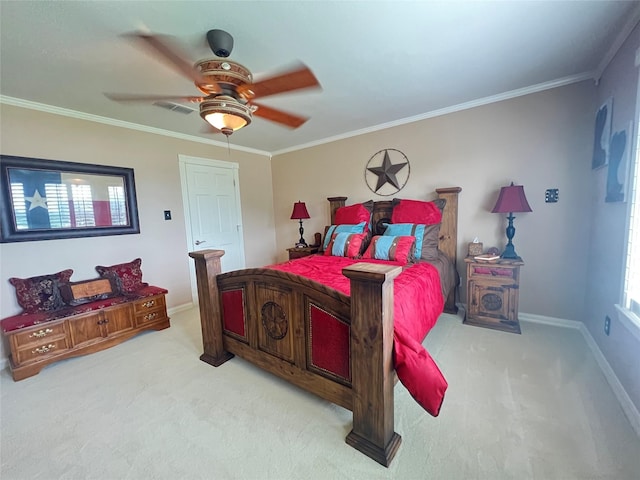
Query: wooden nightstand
(492,294)
(299,252)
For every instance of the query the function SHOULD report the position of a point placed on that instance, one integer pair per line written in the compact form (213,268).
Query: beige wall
(608,233)
(154,158)
(541,141)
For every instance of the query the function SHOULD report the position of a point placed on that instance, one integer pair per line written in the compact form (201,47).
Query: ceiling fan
(227,87)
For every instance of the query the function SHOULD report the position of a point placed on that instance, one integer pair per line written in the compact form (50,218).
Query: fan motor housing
(222,72)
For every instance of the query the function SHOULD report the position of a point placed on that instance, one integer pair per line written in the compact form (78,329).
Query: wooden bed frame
(275,313)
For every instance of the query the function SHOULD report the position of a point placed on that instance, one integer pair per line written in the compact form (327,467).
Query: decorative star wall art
(388,170)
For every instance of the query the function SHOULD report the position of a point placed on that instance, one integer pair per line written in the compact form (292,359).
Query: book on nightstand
(486,257)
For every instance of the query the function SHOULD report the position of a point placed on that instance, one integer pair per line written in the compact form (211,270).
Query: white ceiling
(380,63)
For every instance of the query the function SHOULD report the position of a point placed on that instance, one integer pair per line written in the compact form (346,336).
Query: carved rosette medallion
(491,302)
(274,320)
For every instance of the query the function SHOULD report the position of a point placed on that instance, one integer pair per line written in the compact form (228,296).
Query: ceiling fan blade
(287,119)
(295,79)
(168,50)
(126,97)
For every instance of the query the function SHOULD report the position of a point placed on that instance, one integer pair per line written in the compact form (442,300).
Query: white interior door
(211,195)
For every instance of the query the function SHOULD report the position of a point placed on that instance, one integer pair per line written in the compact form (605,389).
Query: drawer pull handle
(148,304)
(41,333)
(151,316)
(103,322)
(44,348)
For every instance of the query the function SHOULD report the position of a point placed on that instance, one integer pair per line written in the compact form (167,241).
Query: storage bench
(79,326)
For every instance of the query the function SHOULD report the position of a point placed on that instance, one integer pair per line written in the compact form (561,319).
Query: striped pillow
(397,248)
(345,244)
(344,228)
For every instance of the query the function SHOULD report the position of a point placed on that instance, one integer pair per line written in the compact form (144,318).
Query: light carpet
(530,406)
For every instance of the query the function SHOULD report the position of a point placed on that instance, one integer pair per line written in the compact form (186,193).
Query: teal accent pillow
(407,230)
(345,228)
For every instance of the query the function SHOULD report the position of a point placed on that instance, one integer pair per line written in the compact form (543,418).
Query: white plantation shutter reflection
(19,206)
(58,205)
(117,206)
(83,205)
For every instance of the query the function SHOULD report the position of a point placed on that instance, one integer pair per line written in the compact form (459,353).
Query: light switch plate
(167,214)
(551,195)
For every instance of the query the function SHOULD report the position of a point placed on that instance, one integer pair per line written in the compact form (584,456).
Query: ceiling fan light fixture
(226,114)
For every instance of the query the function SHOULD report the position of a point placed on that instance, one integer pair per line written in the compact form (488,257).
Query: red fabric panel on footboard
(329,343)
(233,311)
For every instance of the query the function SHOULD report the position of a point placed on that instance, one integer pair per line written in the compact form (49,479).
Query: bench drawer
(146,305)
(39,334)
(43,350)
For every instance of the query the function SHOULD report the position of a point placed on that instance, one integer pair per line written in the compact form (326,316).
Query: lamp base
(510,253)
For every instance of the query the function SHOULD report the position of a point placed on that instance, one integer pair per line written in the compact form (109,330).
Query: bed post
(372,372)
(207,268)
(448,242)
(334,204)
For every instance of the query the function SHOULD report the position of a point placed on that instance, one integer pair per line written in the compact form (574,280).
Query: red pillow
(40,294)
(398,248)
(354,214)
(416,211)
(345,244)
(129,274)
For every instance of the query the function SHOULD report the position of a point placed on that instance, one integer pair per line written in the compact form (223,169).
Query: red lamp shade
(511,199)
(299,211)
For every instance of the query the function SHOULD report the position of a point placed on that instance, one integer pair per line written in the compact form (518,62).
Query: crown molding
(434,113)
(41,107)
(445,111)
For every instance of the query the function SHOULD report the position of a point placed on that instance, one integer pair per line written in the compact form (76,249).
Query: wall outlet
(607,325)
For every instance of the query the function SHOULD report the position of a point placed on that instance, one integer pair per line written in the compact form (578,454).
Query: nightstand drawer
(495,271)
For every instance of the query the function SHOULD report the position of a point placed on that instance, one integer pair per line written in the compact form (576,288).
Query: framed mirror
(48,199)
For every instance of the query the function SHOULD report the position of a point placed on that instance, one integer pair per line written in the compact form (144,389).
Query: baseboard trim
(180,308)
(621,394)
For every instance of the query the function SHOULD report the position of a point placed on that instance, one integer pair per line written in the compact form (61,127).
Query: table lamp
(511,199)
(300,213)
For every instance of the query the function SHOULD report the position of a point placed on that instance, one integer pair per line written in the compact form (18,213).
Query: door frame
(183,161)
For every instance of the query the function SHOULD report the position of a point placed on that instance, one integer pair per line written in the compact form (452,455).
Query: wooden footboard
(266,316)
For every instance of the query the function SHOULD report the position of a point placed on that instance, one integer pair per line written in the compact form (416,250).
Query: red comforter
(418,303)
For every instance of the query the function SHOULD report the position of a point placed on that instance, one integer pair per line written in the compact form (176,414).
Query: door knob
(198,242)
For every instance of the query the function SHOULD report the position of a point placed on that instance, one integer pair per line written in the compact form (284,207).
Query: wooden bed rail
(370,393)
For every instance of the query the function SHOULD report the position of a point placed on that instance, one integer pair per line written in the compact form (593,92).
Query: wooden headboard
(448,240)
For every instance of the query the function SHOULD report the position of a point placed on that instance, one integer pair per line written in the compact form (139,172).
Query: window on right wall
(630,307)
